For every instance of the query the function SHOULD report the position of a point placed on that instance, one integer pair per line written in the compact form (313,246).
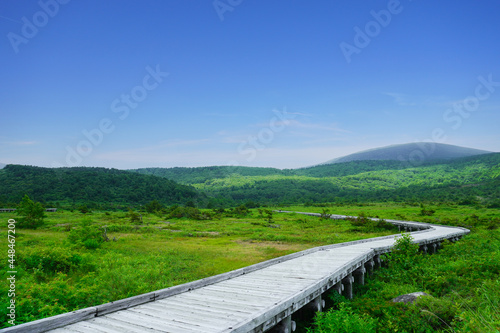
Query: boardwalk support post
(339,287)
(287,325)
(317,304)
(347,281)
(370,264)
(360,275)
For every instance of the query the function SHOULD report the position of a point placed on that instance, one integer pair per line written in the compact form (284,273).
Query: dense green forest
(470,180)
(90,186)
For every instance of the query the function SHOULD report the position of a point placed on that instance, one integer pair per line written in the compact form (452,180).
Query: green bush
(135,217)
(343,320)
(87,235)
(405,253)
(50,260)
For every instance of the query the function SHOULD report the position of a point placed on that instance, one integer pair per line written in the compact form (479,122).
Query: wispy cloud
(179,143)
(331,127)
(20,143)
(401,99)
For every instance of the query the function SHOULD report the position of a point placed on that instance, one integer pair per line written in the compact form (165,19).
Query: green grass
(56,276)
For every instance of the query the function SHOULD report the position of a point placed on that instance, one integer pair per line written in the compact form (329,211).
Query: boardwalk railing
(256,298)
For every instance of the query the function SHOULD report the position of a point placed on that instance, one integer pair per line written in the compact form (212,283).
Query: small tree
(134,216)
(269,215)
(154,207)
(32,213)
(325,214)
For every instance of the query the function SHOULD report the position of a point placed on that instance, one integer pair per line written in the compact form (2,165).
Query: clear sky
(281,83)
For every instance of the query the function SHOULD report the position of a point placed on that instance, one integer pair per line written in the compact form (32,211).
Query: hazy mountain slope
(416,152)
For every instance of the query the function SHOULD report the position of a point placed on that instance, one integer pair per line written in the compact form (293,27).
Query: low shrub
(50,260)
(343,320)
(404,254)
(86,234)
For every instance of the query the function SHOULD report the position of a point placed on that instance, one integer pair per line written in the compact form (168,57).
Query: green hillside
(470,179)
(199,175)
(83,185)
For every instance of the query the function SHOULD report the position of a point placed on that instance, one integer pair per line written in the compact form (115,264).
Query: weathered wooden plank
(199,311)
(50,323)
(246,299)
(86,327)
(244,309)
(67,329)
(165,314)
(168,309)
(272,280)
(247,290)
(227,302)
(90,326)
(197,305)
(247,283)
(164,325)
(125,303)
(122,326)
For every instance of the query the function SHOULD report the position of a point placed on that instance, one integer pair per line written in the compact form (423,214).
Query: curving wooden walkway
(252,299)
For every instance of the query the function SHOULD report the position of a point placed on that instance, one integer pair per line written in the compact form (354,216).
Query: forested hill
(470,179)
(200,175)
(90,185)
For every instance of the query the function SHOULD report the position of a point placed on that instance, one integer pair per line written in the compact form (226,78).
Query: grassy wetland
(66,264)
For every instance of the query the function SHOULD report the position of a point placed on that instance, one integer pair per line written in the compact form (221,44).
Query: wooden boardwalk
(252,299)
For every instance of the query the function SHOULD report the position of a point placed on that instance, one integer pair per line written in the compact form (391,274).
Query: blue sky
(282,83)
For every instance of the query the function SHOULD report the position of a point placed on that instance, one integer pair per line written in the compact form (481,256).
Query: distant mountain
(2,165)
(412,152)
